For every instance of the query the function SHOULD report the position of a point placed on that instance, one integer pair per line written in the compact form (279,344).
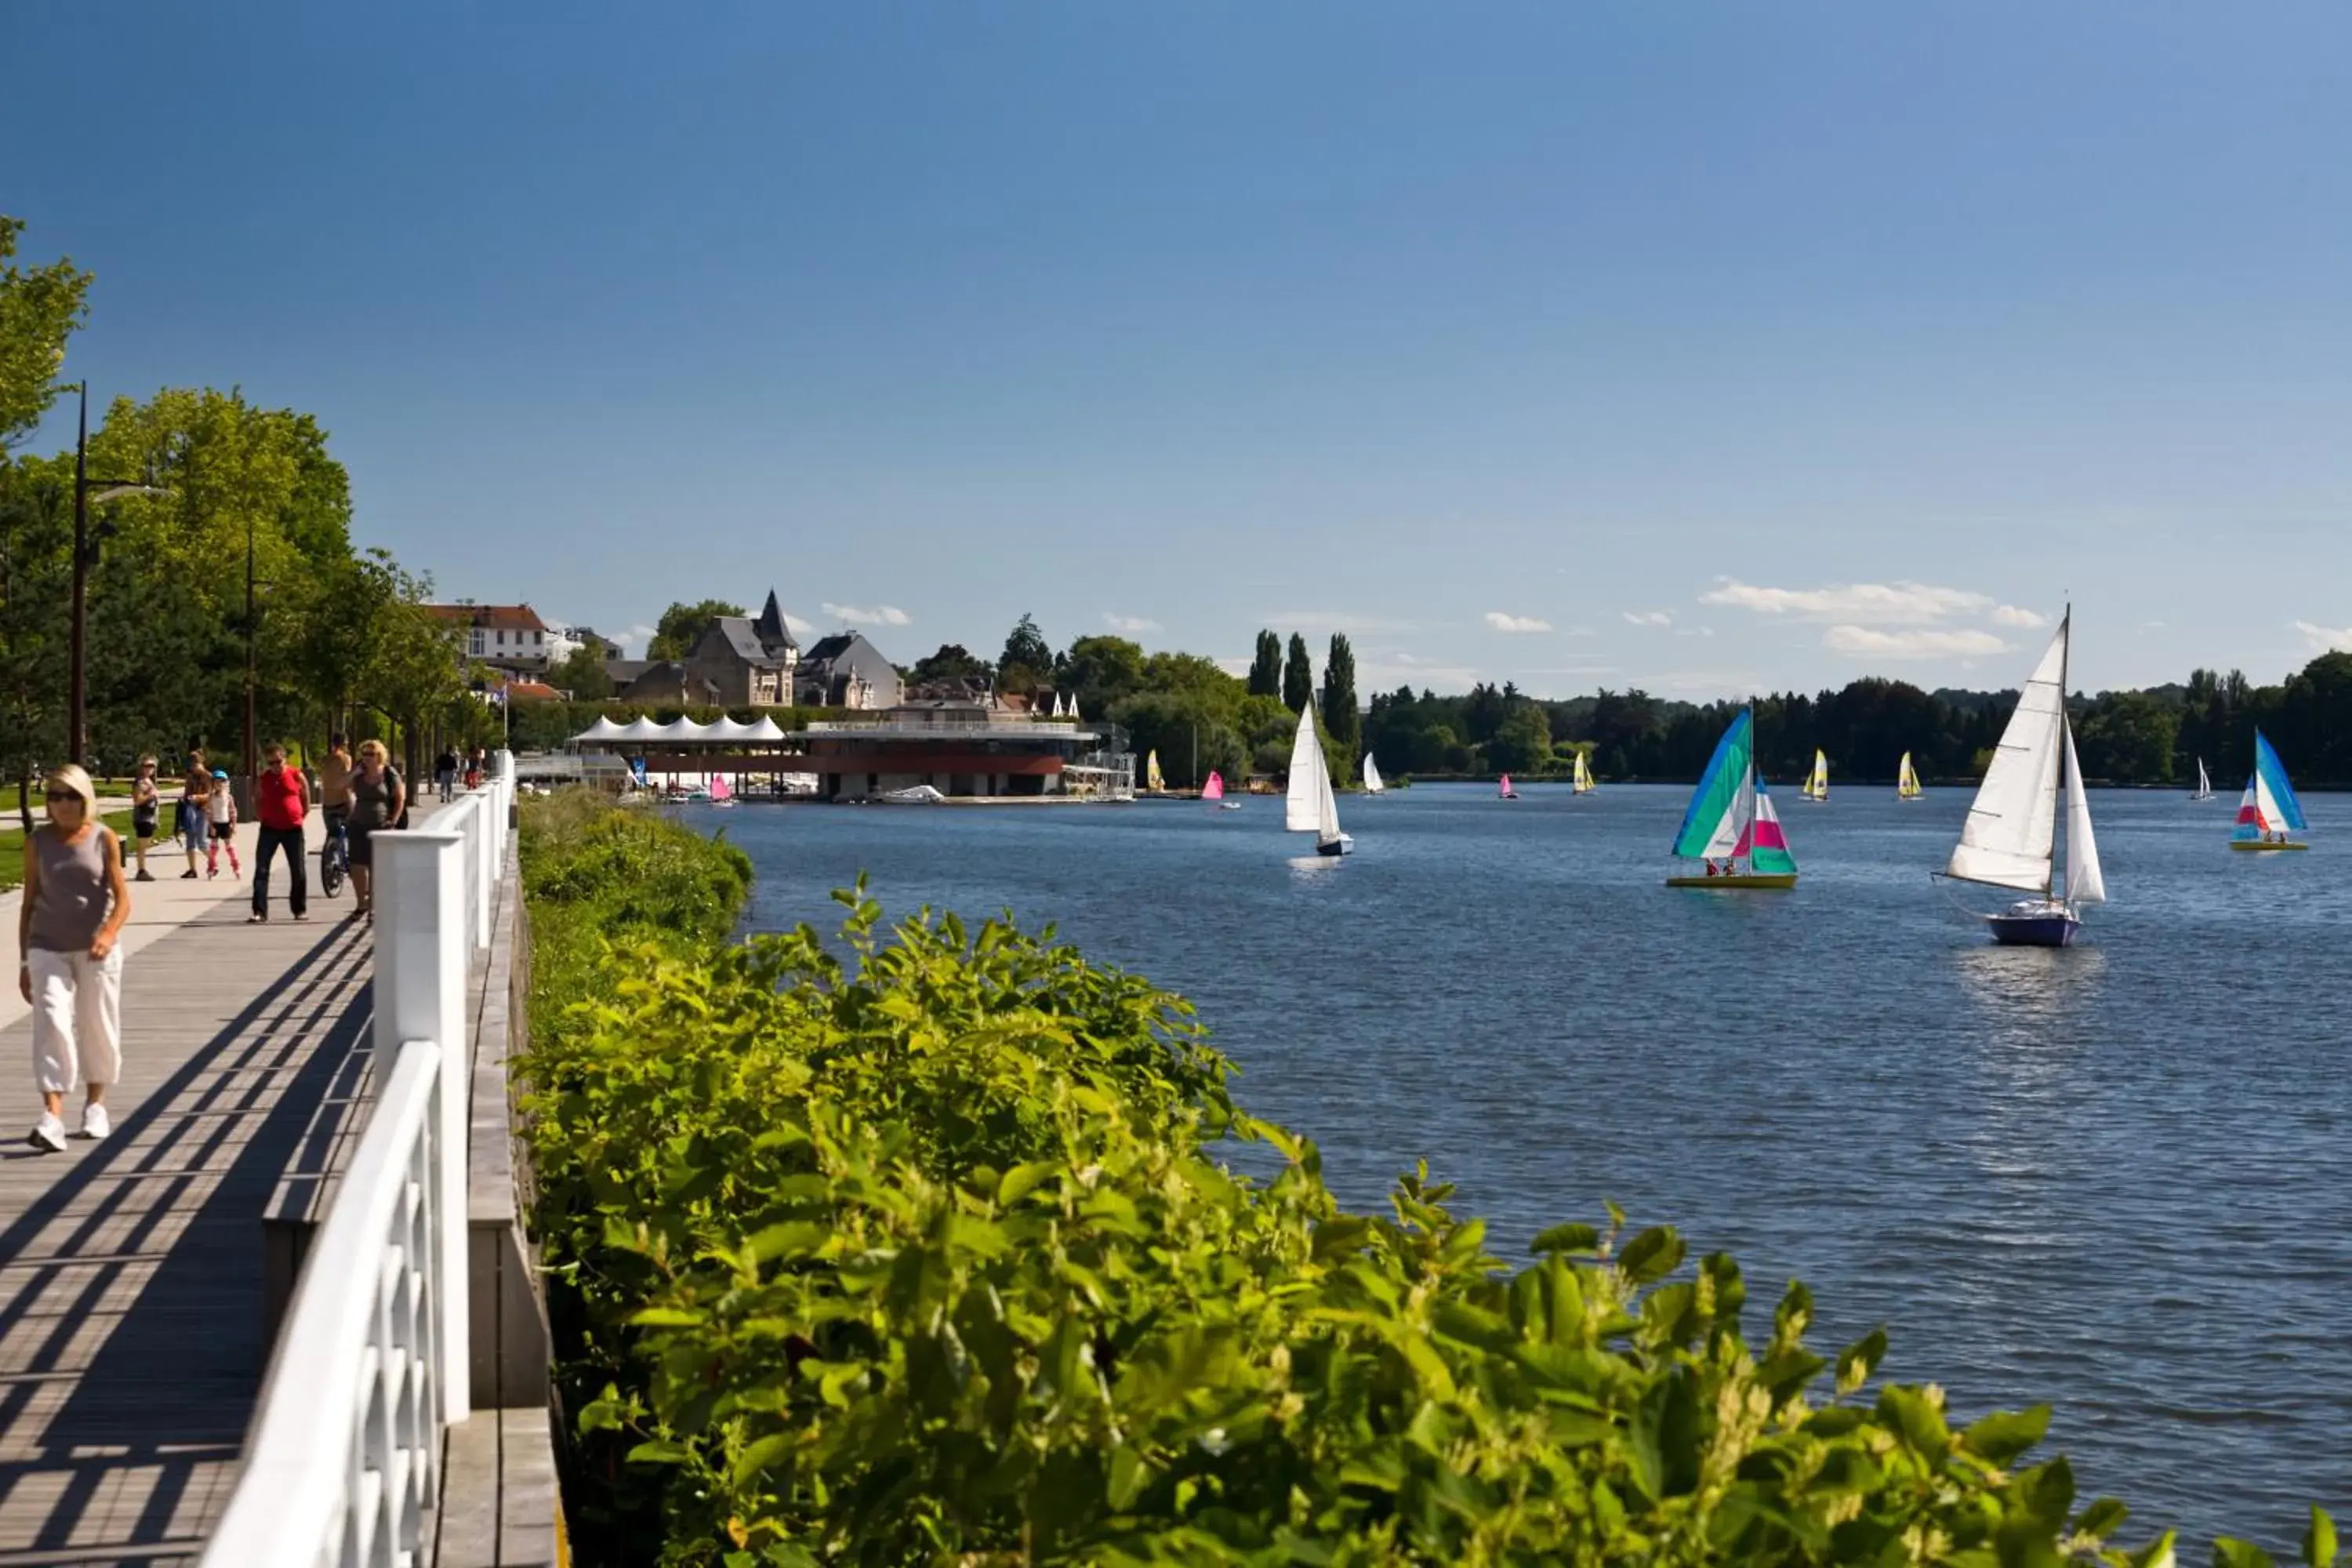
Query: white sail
(1310,780)
(2012,825)
(1327,805)
(1372,785)
(2204,781)
(2084,885)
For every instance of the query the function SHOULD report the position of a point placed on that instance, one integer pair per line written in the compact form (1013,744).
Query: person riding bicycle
(335,798)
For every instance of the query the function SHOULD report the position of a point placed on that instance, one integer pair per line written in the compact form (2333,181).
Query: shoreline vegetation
(918,1246)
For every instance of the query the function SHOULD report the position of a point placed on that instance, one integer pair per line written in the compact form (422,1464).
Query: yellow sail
(1151,779)
(1583,780)
(1907,780)
(1817,787)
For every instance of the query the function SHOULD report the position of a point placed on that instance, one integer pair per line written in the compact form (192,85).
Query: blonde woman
(376,799)
(69,969)
(146,814)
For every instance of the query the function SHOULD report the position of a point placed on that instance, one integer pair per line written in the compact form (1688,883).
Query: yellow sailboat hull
(1741,883)
(2258,847)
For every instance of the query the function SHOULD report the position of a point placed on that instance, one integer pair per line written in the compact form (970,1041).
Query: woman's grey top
(74,896)
(371,800)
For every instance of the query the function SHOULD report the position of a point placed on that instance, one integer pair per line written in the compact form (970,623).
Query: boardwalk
(131,1339)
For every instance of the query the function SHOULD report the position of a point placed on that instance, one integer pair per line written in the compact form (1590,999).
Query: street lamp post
(84,555)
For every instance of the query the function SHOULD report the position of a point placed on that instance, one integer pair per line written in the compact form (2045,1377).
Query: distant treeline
(2151,737)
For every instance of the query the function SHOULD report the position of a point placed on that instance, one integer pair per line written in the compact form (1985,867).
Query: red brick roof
(532,692)
(497,618)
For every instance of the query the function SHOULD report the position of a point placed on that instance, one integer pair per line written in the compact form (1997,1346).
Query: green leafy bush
(931,1258)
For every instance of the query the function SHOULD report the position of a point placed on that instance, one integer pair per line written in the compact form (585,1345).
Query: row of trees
(336,633)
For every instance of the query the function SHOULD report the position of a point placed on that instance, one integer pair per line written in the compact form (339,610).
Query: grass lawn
(12,844)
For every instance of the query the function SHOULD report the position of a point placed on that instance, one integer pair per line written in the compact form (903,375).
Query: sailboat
(1817,787)
(2011,837)
(1507,792)
(2204,783)
(1214,791)
(2269,811)
(1309,805)
(721,792)
(1730,826)
(1151,778)
(1373,783)
(1581,780)
(1907,780)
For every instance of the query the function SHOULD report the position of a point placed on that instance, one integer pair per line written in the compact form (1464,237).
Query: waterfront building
(748,660)
(965,750)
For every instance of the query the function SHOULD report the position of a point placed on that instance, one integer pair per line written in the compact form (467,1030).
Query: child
(220,826)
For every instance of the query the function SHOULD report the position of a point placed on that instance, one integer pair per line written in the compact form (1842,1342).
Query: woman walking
(376,801)
(75,899)
(196,790)
(146,814)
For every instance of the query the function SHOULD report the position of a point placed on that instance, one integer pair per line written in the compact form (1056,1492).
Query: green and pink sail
(1730,815)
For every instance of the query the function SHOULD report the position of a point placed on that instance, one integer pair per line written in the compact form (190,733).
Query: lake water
(2116,1178)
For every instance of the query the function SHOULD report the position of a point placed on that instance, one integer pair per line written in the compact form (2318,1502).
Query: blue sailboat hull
(2034,930)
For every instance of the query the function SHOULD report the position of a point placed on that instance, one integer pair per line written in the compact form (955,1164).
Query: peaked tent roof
(770,628)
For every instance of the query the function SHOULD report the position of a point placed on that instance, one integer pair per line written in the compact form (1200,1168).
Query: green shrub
(931,1258)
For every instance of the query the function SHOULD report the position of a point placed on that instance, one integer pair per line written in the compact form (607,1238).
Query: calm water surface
(2116,1178)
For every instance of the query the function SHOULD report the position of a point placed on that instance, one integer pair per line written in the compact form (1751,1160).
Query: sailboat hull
(1340,846)
(1743,882)
(2035,924)
(2255,846)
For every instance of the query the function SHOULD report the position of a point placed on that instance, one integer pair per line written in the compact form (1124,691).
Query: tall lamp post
(84,555)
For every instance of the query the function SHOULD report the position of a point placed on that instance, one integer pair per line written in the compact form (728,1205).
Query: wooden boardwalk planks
(130,1271)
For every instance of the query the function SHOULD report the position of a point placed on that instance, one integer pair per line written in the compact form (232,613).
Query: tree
(952,662)
(1265,670)
(1027,660)
(581,673)
(1340,719)
(36,548)
(40,308)
(1101,670)
(1297,677)
(1522,743)
(682,625)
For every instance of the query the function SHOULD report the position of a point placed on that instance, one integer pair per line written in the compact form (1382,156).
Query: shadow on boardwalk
(132,1336)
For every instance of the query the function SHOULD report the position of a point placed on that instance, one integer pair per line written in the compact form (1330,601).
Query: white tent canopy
(681,733)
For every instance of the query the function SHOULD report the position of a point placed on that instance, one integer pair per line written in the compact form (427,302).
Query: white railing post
(421,967)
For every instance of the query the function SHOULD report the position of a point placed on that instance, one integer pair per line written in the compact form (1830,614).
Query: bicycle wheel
(330,871)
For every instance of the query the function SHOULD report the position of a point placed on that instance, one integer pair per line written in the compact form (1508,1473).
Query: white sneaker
(95,1122)
(48,1136)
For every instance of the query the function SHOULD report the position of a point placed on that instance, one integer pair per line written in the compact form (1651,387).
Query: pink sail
(719,789)
(1506,791)
(1216,788)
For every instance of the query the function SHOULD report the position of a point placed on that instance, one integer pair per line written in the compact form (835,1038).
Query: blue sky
(1697,348)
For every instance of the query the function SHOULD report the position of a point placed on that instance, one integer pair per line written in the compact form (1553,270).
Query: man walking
(282,797)
(445,773)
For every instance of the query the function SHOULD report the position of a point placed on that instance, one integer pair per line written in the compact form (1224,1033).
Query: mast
(2065,726)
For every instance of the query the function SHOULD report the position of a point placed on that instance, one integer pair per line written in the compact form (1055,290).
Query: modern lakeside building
(968,751)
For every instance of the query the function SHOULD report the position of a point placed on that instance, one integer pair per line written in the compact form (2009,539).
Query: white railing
(342,1462)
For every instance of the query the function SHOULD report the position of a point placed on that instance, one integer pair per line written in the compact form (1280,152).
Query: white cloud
(1385,674)
(633,639)
(1872,644)
(1648,618)
(2012,615)
(797,627)
(1868,604)
(1132,624)
(879,615)
(1502,622)
(1304,621)
(2325,639)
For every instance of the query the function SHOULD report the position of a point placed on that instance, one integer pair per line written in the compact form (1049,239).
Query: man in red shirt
(282,797)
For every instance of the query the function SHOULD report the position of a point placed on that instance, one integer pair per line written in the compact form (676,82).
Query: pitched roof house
(748,660)
(511,635)
(844,671)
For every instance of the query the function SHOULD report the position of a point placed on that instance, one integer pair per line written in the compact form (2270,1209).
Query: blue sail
(2273,776)
(1719,790)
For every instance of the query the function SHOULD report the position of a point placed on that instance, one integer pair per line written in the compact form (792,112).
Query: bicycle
(334,856)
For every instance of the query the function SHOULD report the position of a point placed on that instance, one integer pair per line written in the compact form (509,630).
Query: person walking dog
(281,798)
(69,969)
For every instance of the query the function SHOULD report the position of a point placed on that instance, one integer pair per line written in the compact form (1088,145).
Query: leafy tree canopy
(682,625)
